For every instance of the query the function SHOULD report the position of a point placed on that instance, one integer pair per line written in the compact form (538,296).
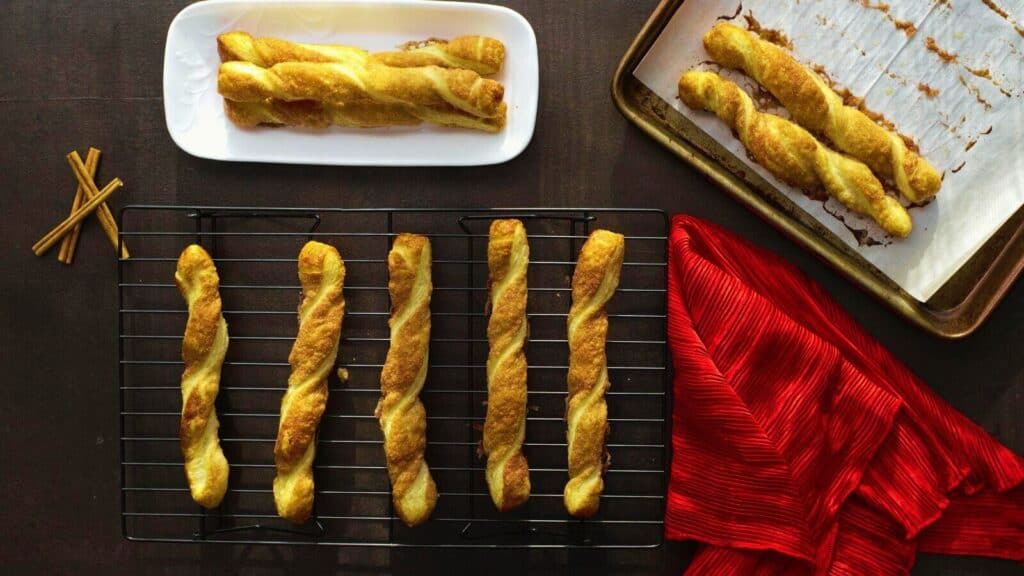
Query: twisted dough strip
(403,419)
(202,349)
(593,284)
(322,275)
(343,83)
(311,114)
(508,256)
(480,54)
(815,106)
(792,154)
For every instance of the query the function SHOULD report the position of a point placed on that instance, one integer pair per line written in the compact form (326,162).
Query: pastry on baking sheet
(815,105)
(793,154)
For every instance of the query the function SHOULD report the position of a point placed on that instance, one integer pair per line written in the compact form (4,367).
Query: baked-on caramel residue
(958,168)
(970,144)
(930,44)
(881,7)
(987,131)
(995,8)
(974,92)
(767,34)
(733,17)
(927,90)
(980,72)
(908,27)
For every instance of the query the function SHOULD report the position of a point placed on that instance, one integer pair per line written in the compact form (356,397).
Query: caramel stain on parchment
(776,37)
(1004,15)
(959,167)
(908,28)
(995,8)
(927,90)
(970,144)
(987,131)
(733,17)
(974,92)
(861,235)
(931,45)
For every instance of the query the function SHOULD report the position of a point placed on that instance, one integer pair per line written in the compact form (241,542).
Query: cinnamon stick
(89,187)
(54,236)
(70,242)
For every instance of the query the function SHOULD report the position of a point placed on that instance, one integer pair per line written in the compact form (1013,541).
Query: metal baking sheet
(955,311)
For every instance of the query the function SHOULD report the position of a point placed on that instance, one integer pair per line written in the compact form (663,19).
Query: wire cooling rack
(255,251)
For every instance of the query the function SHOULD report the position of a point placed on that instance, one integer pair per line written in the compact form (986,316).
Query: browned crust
(481,54)
(815,106)
(322,276)
(403,419)
(508,473)
(313,114)
(197,280)
(792,154)
(593,283)
(345,83)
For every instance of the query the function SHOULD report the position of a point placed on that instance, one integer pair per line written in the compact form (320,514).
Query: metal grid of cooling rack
(255,251)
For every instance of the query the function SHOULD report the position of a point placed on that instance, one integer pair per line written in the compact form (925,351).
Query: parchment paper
(969,127)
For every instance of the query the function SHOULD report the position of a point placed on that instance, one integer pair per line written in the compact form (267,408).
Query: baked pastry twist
(480,54)
(311,114)
(403,418)
(344,83)
(202,349)
(508,256)
(793,154)
(815,106)
(593,284)
(322,275)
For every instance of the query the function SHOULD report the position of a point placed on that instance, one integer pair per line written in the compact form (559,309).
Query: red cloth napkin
(801,446)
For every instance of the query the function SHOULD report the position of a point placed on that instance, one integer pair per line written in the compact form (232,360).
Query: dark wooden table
(80,73)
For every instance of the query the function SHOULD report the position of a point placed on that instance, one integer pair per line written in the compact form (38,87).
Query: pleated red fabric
(800,445)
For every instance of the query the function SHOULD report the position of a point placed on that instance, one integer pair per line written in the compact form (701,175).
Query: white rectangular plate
(195,112)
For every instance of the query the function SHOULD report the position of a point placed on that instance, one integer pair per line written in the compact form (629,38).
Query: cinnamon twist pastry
(792,154)
(322,275)
(311,114)
(508,256)
(815,106)
(593,284)
(403,418)
(344,83)
(480,54)
(202,350)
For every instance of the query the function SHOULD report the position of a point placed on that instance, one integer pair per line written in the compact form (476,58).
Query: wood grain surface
(88,72)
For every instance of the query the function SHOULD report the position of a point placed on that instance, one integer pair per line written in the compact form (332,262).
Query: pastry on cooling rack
(202,350)
(403,418)
(508,257)
(593,283)
(322,275)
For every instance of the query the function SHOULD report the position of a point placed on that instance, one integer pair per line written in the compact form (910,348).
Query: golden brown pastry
(508,256)
(793,154)
(203,349)
(311,114)
(403,418)
(346,83)
(322,275)
(593,284)
(815,106)
(480,54)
